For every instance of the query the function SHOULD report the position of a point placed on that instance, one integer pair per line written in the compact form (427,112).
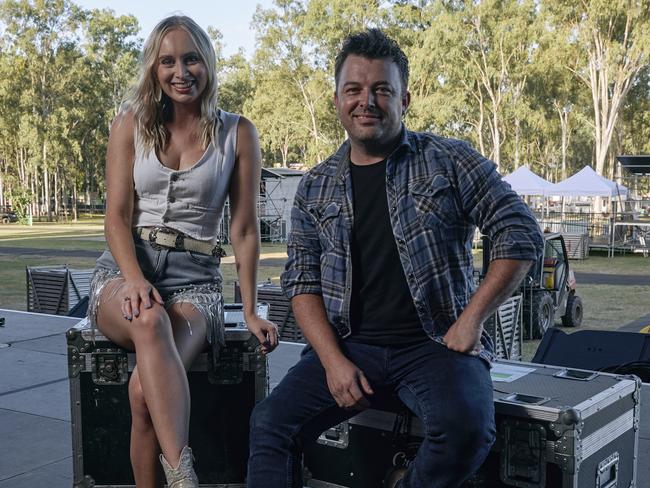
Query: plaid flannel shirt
(438,191)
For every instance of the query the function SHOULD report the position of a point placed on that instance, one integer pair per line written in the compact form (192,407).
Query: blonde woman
(173,158)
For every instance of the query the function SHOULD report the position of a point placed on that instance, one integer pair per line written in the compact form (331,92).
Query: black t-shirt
(381,310)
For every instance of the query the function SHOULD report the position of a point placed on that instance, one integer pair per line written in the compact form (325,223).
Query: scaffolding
(273,227)
(277,189)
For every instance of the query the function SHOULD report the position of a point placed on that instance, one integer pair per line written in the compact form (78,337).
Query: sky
(231,17)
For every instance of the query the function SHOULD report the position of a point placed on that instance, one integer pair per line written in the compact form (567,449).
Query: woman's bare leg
(144,443)
(161,370)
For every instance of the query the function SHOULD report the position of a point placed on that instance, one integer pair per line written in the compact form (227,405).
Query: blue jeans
(451,393)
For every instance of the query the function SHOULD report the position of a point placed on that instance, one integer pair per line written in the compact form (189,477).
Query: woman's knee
(152,325)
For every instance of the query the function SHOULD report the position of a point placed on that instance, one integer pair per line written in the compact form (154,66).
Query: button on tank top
(190,200)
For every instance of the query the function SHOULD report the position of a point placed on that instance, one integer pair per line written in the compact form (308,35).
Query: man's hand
(464,337)
(348,385)
(502,278)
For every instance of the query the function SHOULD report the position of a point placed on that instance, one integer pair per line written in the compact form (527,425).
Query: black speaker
(597,350)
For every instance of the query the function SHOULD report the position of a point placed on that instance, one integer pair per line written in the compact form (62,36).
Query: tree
(68,70)
(613,41)
(299,88)
(471,66)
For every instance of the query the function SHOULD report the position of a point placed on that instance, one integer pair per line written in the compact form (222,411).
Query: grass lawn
(606,307)
(80,236)
(85,236)
(598,262)
(13,291)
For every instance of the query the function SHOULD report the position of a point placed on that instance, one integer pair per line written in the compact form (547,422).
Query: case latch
(337,436)
(523,457)
(109,367)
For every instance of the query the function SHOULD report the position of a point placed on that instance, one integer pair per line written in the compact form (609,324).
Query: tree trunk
(87,183)
(519,88)
(35,208)
(477,93)
(284,150)
(612,67)
(64,200)
(496,140)
(56,193)
(75,210)
(46,184)
(314,119)
(563,113)
(22,172)
(517,141)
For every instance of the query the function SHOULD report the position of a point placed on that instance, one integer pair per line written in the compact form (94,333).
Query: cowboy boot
(182,476)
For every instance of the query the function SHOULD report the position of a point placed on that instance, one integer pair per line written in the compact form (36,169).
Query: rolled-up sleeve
(302,270)
(492,205)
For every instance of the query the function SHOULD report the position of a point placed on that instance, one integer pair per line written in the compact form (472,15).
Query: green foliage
(64,72)
(21,200)
(517,78)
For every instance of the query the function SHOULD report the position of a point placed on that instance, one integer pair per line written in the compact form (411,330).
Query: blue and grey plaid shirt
(438,191)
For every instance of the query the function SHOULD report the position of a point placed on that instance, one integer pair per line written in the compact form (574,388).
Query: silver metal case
(556,427)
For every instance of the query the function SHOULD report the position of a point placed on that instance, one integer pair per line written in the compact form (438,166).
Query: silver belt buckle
(218,251)
(179,242)
(153,237)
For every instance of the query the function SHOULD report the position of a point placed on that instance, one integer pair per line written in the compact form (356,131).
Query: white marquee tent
(588,183)
(525,182)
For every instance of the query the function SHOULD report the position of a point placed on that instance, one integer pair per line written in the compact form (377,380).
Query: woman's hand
(137,293)
(265,331)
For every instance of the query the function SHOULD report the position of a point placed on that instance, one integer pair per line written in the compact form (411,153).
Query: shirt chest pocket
(434,201)
(327,217)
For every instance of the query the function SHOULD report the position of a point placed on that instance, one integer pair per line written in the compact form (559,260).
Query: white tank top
(190,200)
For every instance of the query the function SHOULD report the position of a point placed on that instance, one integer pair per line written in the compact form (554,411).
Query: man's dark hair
(373,44)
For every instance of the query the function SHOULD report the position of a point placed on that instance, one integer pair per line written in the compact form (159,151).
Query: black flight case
(222,400)
(556,427)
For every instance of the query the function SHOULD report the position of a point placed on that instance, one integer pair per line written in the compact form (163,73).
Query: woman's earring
(157,94)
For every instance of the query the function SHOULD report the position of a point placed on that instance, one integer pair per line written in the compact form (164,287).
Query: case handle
(607,475)
(524,399)
(576,374)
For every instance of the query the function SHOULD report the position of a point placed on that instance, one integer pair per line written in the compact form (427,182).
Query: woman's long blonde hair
(151,108)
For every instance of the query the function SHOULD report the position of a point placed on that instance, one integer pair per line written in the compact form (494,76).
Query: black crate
(222,401)
(556,428)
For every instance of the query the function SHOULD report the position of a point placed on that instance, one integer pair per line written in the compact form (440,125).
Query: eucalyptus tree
(69,68)
(470,68)
(612,40)
(279,119)
(635,116)
(36,32)
(10,83)
(293,82)
(110,46)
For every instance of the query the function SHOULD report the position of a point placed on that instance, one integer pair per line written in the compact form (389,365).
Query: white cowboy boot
(182,476)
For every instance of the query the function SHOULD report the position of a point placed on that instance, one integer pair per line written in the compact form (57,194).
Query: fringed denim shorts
(179,277)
